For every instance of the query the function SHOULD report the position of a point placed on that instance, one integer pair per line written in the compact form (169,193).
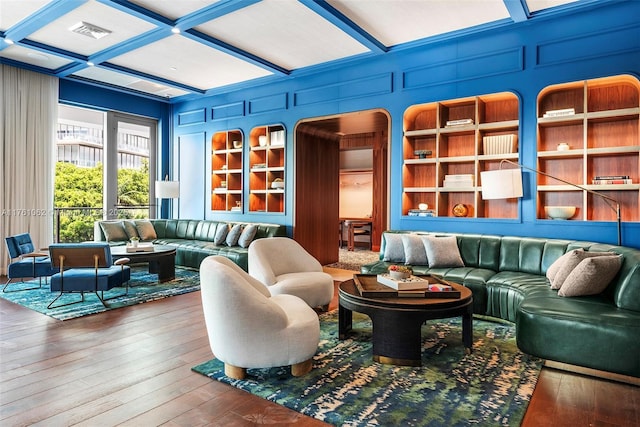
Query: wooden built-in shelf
(266,165)
(604,140)
(457,150)
(226,167)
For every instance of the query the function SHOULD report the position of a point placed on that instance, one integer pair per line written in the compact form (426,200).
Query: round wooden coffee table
(396,322)
(162,260)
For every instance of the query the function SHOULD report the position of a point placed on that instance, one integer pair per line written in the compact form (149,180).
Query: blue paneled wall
(523,59)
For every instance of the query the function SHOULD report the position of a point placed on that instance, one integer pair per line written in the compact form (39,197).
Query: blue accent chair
(25,262)
(87,267)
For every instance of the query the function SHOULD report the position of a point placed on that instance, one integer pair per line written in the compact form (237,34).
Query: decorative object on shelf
(277,183)
(500,144)
(260,165)
(422,154)
(563,146)
(237,144)
(423,206)
(560,212)
(560,113)
(507,183)
(460,210)
(399,272)
(223,184)
(262,140)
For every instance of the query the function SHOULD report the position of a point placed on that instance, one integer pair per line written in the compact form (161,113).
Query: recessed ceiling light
(8,41)
(89,30)
(90,64)
(175,30)
(173,68)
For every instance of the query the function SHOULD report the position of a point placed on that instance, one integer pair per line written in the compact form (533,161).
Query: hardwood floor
(131,366)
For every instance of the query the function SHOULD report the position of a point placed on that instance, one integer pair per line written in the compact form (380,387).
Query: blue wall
(523,58)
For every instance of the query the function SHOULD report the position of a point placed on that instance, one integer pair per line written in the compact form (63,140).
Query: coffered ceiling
(178,49)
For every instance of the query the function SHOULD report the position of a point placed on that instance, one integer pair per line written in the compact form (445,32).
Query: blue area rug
(490,387)
(144,287)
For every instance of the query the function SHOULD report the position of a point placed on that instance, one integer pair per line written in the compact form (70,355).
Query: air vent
(89,30)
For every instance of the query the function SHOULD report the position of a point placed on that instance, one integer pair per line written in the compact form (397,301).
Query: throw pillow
(114,231)
(146,230)
(234,235)
(591,276)
(221,233)
(247,235)
(557,264)
(414,252)
(442,251)
(130,228)
(571,261)
(393,248)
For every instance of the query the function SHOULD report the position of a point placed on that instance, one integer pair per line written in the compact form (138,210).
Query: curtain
(28,117)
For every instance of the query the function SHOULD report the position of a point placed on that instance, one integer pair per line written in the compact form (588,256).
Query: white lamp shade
(501,184)
(167,189)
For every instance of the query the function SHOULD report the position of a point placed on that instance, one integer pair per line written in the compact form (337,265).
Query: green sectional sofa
(508,277)
(194,239)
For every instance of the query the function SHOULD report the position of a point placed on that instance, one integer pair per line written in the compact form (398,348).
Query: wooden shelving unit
(457,150)
(267,165)
(603,138)
(226,171)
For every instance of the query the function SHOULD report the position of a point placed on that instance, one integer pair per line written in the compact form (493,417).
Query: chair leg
(69,303)
(6,285)
(302,368)
(234,372)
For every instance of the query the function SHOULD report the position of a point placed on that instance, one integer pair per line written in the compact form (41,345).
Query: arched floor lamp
(507,183)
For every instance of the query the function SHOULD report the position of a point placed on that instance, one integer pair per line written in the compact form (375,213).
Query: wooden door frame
(318,246)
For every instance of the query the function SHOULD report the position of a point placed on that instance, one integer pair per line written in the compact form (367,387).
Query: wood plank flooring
(131,367)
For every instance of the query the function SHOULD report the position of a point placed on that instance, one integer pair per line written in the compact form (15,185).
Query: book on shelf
(597,181)
(559,113)
(419,212)
(459,122)
(611,177)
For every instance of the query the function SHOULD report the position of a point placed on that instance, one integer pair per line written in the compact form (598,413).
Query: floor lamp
(507,183)
(167,189)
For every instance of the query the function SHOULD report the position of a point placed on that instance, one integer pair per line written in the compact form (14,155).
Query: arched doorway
(317,146)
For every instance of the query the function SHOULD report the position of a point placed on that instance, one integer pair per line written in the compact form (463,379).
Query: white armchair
(285,267)
(249,328)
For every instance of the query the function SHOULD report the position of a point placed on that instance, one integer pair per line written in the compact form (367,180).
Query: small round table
(396,322)
(162,260)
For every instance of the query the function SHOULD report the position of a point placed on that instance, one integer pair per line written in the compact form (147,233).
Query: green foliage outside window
(81,188)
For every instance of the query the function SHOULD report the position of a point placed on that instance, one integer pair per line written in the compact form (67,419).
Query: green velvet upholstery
(507,275)
(194,239)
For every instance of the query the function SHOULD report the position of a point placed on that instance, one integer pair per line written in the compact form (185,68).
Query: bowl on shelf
(560,212)
(277,184)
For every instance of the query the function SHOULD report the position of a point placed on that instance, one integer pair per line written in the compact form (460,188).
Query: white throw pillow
(571,261)
(591,276)
(247,235)
(234,235)
(221,233)
(442,251)
(146,230)
(414,252)
(114,231)
(393,248)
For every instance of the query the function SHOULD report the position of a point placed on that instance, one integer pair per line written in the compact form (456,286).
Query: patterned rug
(144,287)
(490,387)
(352,260)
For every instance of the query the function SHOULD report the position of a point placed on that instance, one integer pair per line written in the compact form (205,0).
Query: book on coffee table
(142,247)
(369,286)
